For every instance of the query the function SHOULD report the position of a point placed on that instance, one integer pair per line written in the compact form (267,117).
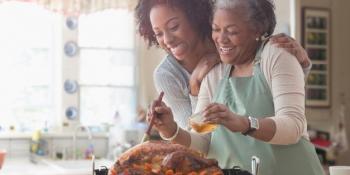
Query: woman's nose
(222,38)
(168,38)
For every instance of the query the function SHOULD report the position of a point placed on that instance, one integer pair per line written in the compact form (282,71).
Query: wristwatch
(253,125)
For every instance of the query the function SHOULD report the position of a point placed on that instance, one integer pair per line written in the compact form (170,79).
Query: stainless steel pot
(255,165)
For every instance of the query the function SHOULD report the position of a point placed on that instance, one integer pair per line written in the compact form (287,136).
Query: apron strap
(227,70)
(261,48)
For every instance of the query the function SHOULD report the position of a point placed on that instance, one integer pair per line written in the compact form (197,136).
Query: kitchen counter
(23,166)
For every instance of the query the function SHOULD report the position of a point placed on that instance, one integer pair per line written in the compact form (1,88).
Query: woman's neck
(201,49)
(243,70)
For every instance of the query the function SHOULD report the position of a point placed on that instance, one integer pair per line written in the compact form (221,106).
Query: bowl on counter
(2,157)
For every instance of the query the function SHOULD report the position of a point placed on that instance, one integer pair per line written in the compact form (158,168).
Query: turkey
(163,158)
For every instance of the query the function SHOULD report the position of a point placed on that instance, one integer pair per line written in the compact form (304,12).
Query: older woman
(258,97)
(183,29)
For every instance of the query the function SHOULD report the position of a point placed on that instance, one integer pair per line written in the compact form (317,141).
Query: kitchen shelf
(316,30)
(316,41)
(315,46)
(316,87)
(318,72)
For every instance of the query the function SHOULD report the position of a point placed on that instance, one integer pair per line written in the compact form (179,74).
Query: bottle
(89,151)
(34,147)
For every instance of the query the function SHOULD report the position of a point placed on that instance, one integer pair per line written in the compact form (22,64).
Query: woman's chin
(226,60)
(179,56)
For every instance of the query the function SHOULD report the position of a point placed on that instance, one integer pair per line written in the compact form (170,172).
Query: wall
(284,11)
(149,58)
(324,118)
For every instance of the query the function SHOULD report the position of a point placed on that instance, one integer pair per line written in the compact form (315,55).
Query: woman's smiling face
(173,31)
(234,36)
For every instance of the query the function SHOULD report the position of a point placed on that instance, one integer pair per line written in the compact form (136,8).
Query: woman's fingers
(281,38)
(162,110)
(286,45)
(148,117)
(153,105)
(217,118)
(213,108)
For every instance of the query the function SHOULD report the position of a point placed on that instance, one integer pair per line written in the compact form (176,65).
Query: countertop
(23,166)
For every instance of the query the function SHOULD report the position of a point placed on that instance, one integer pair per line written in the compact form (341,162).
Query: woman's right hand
(163,119)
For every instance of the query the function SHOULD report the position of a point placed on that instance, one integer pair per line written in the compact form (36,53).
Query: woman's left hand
(206,63)
(289,44)
(220,114)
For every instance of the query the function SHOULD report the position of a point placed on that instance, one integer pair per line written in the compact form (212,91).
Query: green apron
(251,96)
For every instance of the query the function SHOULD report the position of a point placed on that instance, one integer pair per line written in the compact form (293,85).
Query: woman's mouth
(225,50)
(178,49)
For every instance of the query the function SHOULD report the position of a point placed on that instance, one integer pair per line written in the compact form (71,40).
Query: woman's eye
(174,28)
(215,29)
(232,32)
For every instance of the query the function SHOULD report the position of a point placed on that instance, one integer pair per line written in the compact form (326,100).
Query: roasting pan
(233,171)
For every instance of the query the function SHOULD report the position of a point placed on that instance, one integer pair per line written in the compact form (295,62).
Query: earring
(257,39)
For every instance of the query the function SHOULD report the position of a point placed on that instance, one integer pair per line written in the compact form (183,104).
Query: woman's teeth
(225,49)
(177,49)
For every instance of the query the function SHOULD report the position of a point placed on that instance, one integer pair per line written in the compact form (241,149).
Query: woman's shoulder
(272,54)
(168,65)
(278,61)
(271,50)
(169,73)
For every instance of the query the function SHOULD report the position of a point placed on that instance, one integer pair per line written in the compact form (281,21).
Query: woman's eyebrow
(172,19)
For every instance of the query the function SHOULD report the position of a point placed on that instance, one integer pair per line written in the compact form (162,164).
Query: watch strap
(250,129)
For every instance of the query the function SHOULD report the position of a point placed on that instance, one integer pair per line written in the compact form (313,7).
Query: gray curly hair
(260,13)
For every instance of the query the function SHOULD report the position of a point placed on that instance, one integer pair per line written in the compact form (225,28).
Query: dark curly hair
(198,12)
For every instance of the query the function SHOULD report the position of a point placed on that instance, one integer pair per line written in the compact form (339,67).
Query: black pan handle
(101,171)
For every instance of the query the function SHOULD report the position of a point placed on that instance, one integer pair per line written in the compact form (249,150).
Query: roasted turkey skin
(163,158)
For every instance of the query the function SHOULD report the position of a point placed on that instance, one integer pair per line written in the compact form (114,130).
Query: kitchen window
(107,67)
(27,71)
(31,53)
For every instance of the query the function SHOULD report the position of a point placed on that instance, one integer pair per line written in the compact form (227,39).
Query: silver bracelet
(172,137)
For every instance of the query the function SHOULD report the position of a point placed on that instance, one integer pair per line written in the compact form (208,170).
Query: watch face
(254,123)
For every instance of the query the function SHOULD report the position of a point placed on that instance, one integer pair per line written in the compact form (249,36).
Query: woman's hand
(203,67)
(220,114)
(163,118)
(284,41)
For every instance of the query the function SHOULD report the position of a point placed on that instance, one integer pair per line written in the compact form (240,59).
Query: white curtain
(76,7)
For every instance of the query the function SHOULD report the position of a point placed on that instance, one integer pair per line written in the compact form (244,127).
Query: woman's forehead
(163,13)
(236,14)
